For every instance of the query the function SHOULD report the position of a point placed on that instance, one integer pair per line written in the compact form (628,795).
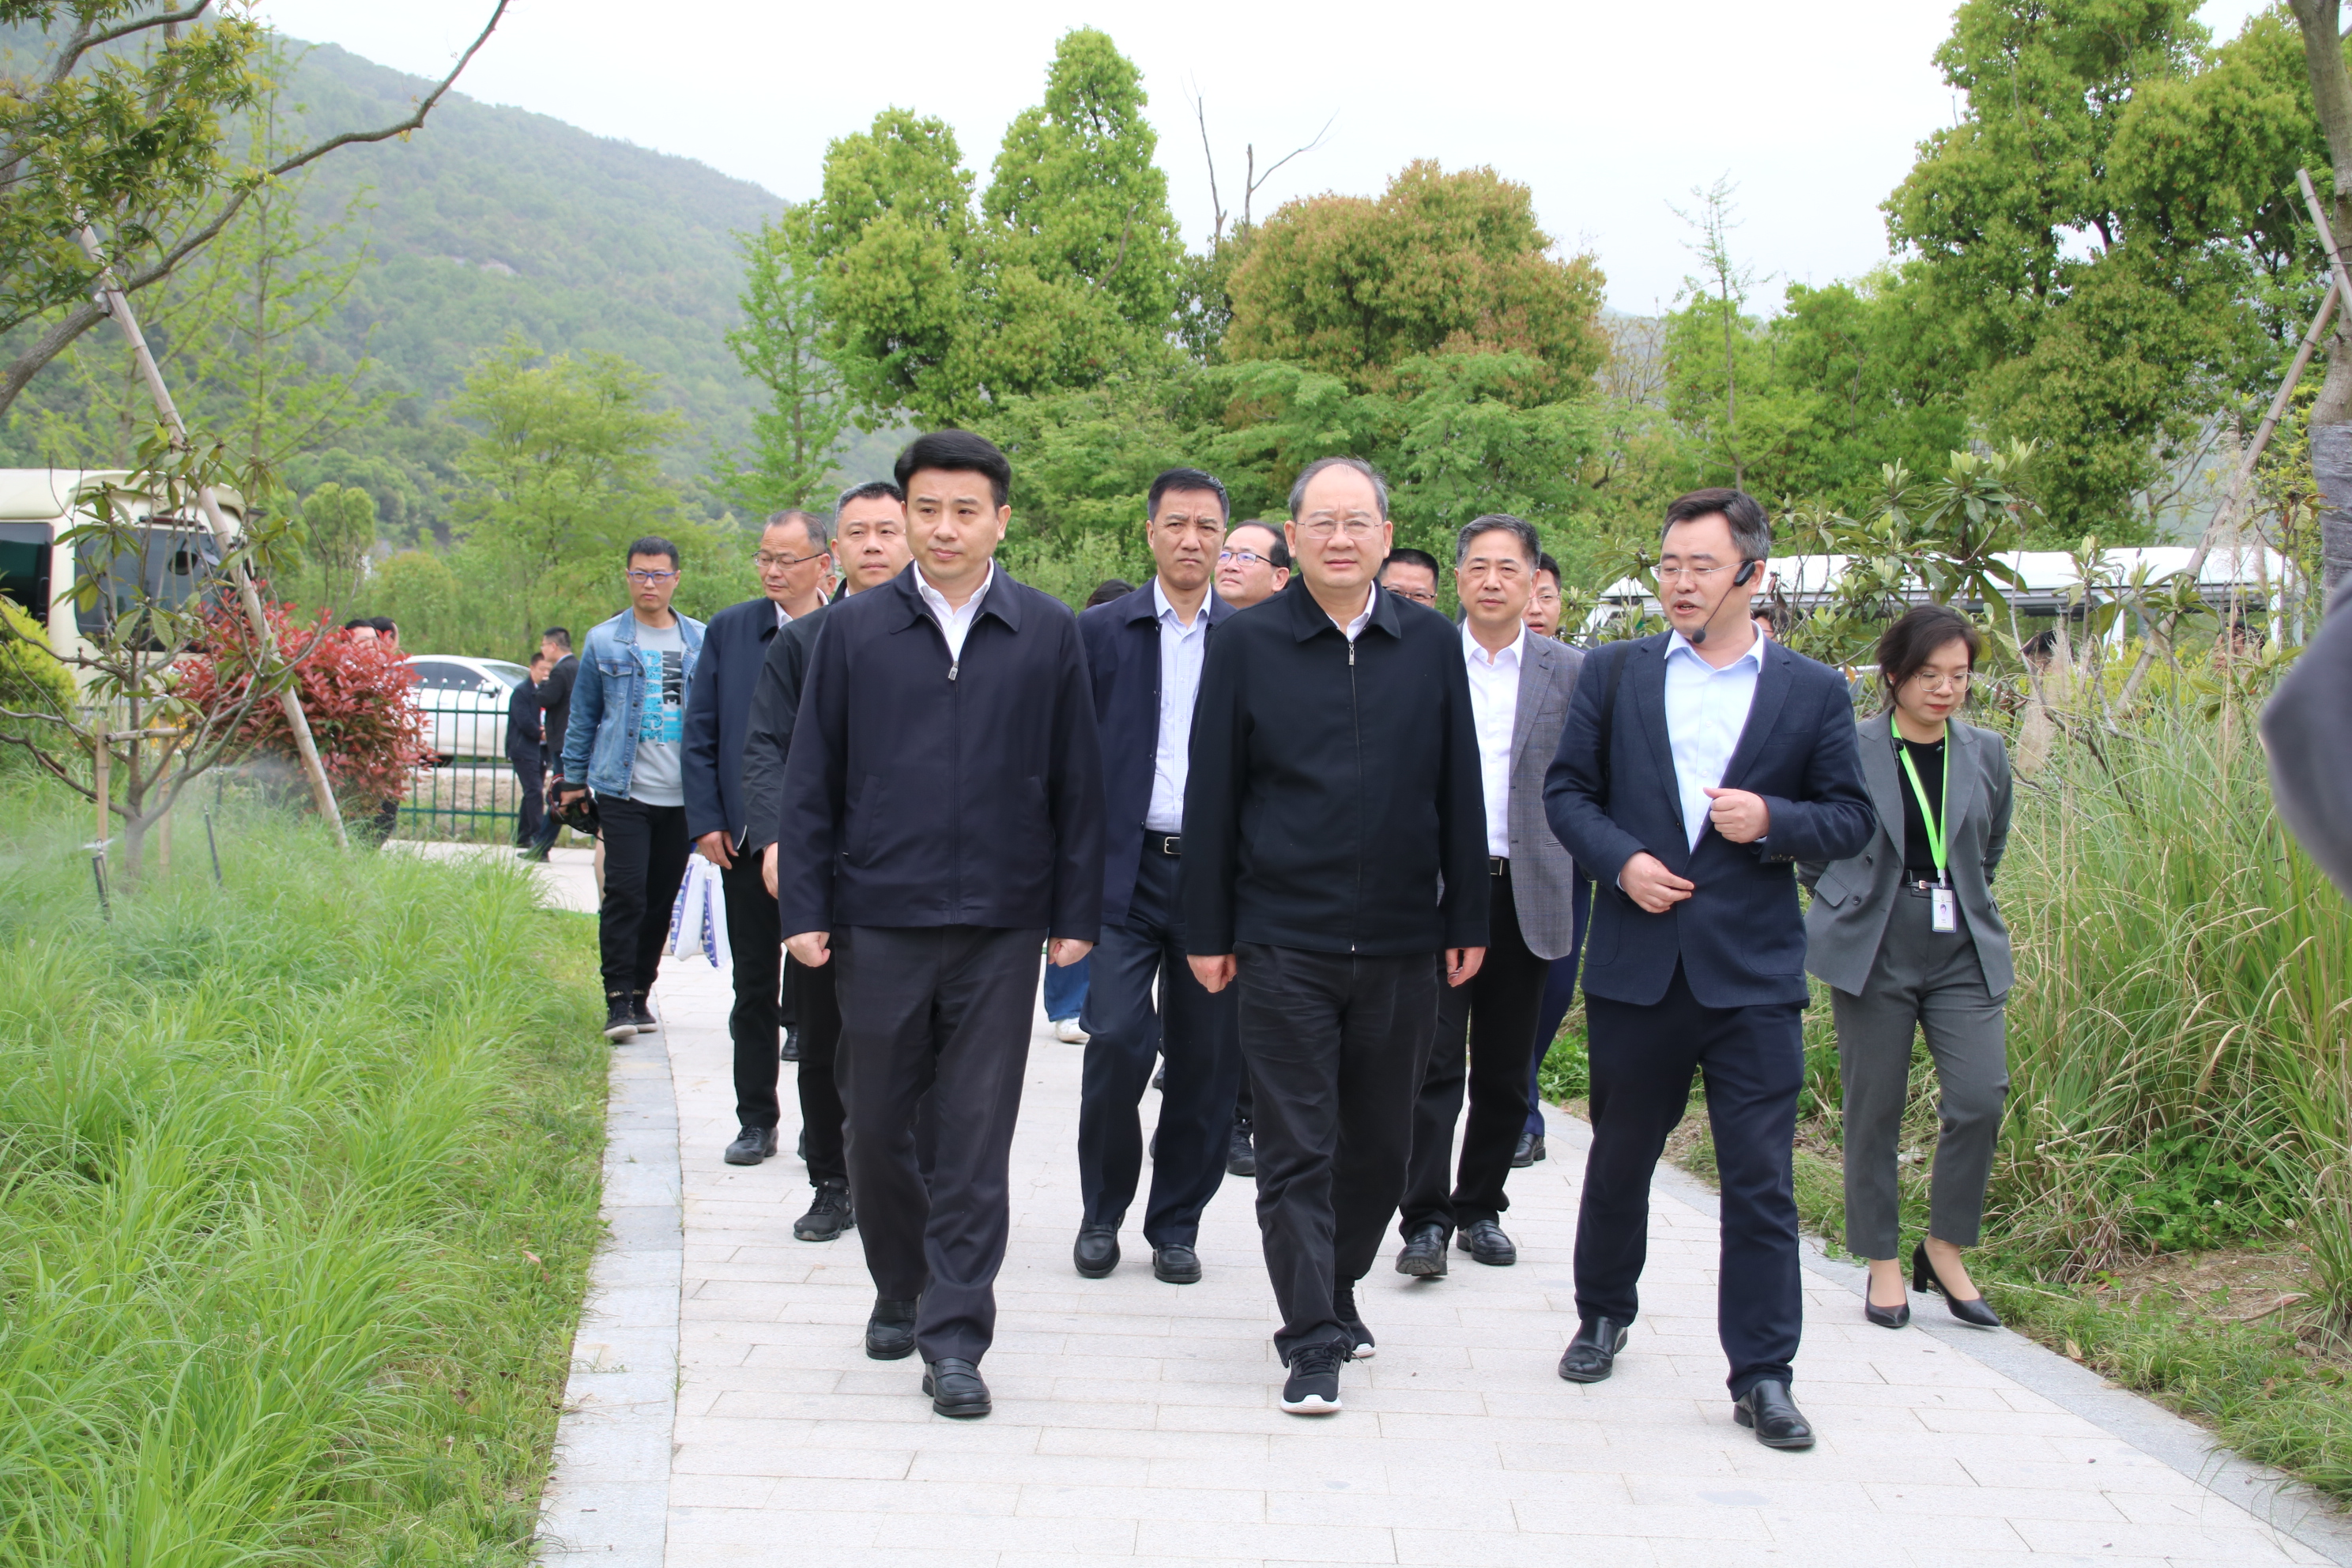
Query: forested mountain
(492,220)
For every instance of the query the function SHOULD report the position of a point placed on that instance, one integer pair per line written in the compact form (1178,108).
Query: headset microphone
(1739,579)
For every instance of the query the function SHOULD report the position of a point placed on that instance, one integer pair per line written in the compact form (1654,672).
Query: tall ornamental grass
(2178,1041)
(298,1188)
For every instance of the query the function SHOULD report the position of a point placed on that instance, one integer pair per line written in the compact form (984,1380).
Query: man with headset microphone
(1694,769)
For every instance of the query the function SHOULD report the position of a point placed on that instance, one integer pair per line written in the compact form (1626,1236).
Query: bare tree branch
(1216,202)
(1256,180)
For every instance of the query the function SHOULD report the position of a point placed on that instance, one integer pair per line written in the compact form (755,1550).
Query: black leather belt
(1164,844)
(1498,866)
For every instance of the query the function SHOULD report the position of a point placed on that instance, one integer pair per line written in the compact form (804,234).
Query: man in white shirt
(1520,685)
(1144,652)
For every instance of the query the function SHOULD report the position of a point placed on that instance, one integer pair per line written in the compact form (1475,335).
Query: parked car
(465,703)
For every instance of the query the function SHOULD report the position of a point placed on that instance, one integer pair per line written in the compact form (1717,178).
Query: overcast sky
(1610,112)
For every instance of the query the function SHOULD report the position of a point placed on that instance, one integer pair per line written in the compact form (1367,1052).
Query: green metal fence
(467,791)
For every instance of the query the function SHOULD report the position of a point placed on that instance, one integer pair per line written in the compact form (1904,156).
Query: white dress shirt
(1182,648)
(783,617)
(1355,628)
(1705,709)
(954,625)
(1495,706)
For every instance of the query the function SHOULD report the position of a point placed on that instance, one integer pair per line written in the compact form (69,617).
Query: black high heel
(1885,1317)
(1975,1311)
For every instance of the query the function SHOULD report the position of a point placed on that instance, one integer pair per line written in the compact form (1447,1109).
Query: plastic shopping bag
(697,920)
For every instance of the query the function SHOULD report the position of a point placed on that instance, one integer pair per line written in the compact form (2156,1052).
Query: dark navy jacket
(1739,939)
(926,792)
(1333,801)
(1122,640)
(718,714)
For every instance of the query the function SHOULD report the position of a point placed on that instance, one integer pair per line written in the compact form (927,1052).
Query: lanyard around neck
(1928,813)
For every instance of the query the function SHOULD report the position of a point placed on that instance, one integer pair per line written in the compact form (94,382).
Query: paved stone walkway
(1140,1420)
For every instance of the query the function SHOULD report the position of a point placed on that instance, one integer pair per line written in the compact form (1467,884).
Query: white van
(38,506)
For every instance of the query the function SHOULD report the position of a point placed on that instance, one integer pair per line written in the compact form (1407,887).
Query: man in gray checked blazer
(1520,684)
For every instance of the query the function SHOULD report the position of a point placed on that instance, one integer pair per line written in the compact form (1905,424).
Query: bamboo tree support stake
(2233,505)
(322,793)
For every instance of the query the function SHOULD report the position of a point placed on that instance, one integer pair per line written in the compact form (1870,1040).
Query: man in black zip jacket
(1335,868)
(942,817)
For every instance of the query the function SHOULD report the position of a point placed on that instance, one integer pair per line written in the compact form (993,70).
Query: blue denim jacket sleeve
(587,714)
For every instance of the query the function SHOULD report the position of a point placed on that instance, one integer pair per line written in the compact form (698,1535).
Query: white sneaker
(1068,1033)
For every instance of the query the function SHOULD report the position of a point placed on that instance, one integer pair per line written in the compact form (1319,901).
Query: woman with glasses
(1908,937)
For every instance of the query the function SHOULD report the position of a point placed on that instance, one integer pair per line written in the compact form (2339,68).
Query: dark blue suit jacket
(1122,640)
(719,714)
(925,791)
(1739,939)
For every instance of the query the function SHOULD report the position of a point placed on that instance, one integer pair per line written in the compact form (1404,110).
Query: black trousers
(530,811)
(1194,1030)
(947,1008)
(755,933)
(1337,1046)
(645,859)
(1753,1060)
(1494,1017)
(819,1009)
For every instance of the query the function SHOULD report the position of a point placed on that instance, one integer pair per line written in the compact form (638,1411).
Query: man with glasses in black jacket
(1335,868)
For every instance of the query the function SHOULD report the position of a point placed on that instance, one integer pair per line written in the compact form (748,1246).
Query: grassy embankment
(2172,1204)
(297,1193)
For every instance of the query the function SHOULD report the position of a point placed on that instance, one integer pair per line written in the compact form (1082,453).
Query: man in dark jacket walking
(1144,650)
(942,817)
(870,540)
(527,754)
(717,711)
(1335,862)
(554,697)
(1695,770)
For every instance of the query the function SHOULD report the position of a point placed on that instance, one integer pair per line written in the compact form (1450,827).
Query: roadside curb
(608,1499)
(2279,1500)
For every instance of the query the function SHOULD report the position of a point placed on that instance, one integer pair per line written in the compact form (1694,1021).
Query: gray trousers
(1926,981)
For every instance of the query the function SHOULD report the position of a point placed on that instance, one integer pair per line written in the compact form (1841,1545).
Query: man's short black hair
(1187,480)
(1544,562)
(559,636)
(1751,530)
(1518,528)
(1279,555)
(655,544)
(356,622)
(872,489)
(1407,555)
(1106,590)
(384,624)
(956,452)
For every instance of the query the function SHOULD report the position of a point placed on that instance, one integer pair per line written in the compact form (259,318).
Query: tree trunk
(2331,413)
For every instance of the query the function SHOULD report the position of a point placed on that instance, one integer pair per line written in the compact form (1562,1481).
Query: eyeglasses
(1322,528)
(1418,596)
(1927,683)
(1690,574)
(1245,556)
(639,574)
(767,558)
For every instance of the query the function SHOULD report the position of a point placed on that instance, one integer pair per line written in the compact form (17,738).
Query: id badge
(1943,911)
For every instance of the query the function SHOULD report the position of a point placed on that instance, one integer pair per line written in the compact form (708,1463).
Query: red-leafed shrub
(356,695)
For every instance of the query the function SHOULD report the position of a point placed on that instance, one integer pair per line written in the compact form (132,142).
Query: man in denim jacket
(625,743)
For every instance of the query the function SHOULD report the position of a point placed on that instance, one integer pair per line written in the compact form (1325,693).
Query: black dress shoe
(1423,1256)
(1974,1312)
(1241,1159)
(1530,1150)
(751,1145)
(1592,1354)
(1096,1252)
(1484,1240)
(1779,1424)
(955,1388)
(791,1049)
(829,1213)
(1176,1265)
(1893,1317)
(890,1331)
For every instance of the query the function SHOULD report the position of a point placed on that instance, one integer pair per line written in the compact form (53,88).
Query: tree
(1068,274)
(2331,413)
(126,127)
(338,530)
(780,346)
(562,470)
(1439,263)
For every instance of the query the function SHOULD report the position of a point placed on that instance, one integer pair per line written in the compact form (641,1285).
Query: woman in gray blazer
(1908,937)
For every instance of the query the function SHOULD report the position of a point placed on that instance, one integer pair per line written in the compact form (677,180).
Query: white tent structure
(2257,579)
